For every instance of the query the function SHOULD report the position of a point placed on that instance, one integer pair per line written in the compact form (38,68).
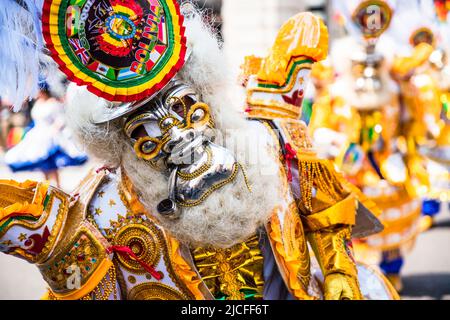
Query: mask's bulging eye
(168,122)
(198,115)
(148,147)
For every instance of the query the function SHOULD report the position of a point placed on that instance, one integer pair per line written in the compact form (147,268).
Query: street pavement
(427,267)
(426,270)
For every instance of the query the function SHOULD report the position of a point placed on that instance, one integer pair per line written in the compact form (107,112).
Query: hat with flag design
(122,50)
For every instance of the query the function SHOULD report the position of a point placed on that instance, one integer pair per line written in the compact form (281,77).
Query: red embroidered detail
(123,250)
(106,168)
(290,155)
(349,249)
(296,99)
(132,5)
(36,242)
(113,49)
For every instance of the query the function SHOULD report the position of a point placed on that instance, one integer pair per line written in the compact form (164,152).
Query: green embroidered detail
(291,72)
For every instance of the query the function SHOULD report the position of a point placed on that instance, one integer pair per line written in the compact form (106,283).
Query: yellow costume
(422,75)
(372,153)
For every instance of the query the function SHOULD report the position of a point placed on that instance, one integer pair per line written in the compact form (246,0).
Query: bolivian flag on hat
(122,50)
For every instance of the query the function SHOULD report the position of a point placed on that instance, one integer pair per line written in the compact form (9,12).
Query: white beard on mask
(229,215)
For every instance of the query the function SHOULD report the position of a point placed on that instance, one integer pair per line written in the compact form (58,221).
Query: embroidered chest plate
(81,257)
(235,273)
(125,226)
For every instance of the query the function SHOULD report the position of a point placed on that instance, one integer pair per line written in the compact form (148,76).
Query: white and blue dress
(48,145)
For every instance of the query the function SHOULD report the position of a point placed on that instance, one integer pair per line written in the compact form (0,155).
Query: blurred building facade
(250,26)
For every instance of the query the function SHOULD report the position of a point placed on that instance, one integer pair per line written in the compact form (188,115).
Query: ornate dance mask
(174,132)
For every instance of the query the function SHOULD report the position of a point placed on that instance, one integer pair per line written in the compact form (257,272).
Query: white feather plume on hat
(23,62)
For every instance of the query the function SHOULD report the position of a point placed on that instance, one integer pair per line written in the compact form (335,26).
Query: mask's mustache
(187,148)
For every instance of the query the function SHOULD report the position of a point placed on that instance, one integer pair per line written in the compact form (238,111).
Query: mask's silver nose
(187,148)
(176,136)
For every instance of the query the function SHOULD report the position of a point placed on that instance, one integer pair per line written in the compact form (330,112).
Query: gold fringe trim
(319,174)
